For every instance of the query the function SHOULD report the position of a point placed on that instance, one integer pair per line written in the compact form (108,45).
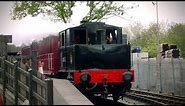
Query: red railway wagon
(48,55)
(48,59)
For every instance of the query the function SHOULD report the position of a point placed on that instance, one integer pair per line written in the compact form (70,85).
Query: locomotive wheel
(118,94)
(115,97)
(120,90)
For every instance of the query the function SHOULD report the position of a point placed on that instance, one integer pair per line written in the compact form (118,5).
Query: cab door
(100,36)
(62,39)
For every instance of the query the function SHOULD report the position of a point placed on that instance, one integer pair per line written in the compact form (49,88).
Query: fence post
(49,91)
(30,87)
(16,82)
(33,72)
(4,66)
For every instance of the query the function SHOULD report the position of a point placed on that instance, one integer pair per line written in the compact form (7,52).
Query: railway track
(105,102)
(154,98)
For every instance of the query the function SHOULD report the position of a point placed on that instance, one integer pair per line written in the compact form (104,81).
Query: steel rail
(166,99)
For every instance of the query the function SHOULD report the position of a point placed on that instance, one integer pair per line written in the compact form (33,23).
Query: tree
(98,10)
(134,30)
(145,37)
(176,36)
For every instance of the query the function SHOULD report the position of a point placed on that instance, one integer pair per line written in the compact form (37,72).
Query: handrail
(22,71)
(39,81)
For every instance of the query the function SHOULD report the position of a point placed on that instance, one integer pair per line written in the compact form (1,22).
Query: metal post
(158,41)
(158,47)
(173,75)
(49,91)
(158,37)
(16,83)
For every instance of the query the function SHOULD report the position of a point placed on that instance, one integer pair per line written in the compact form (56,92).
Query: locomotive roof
(92,24)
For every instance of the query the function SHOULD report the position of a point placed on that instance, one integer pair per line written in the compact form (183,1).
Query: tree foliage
(176,35)
(134,30)
(98,10)
(146,38)
(54,9)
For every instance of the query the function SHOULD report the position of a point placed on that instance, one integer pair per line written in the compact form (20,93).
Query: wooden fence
(18,85)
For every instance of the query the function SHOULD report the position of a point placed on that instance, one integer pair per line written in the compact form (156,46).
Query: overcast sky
(29,28)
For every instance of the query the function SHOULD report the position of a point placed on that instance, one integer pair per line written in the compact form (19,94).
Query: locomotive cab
(85,47)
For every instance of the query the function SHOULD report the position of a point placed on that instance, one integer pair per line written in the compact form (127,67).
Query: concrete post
(148,74)
(138,84)
(173,75)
